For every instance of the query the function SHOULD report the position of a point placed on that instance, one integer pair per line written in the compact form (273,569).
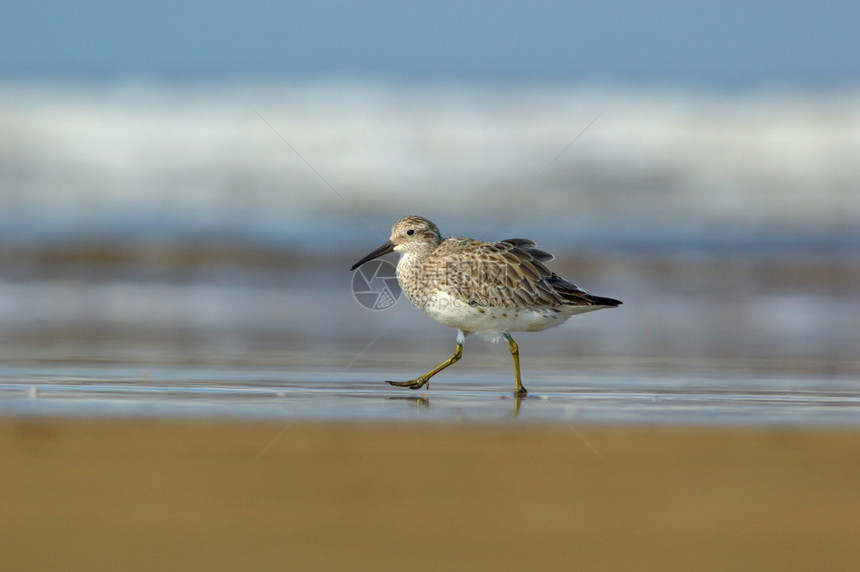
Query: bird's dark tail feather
(601,301)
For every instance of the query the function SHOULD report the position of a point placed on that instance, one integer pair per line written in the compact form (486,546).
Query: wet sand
(228,495)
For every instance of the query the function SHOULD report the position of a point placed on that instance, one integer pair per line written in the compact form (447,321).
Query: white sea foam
(203,155)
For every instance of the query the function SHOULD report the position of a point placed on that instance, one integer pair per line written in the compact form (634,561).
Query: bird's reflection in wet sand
(420,401)
(423,402)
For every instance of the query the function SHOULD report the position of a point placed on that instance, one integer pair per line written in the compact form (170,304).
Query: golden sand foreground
(193,495)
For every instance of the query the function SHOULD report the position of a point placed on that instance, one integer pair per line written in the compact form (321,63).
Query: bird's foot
(520,392)
(416,383)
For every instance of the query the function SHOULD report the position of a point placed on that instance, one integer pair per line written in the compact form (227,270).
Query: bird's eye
(410,232)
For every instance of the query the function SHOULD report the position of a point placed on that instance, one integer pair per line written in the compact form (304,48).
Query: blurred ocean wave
(173,215)
(174,159)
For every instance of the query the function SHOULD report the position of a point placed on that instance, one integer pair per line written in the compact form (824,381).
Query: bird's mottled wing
(504,274)
(573,295)
(529,246)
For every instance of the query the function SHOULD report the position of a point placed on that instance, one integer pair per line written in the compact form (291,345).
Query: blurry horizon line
(805,82)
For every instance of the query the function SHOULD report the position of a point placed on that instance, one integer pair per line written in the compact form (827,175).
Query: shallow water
(320,394)
(164,253)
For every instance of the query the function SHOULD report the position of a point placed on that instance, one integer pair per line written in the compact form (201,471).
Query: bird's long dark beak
(384,249)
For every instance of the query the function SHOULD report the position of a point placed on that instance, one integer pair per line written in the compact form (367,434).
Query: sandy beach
(193,373)
(226,495)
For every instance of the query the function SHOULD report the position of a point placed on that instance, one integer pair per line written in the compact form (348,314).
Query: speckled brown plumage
(491,288)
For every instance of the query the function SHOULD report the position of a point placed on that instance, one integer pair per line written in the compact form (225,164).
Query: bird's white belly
(456,313)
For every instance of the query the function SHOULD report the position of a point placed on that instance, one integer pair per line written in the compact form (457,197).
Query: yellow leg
(520,391)
(423,380)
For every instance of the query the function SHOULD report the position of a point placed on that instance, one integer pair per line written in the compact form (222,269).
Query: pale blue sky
(718,42)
